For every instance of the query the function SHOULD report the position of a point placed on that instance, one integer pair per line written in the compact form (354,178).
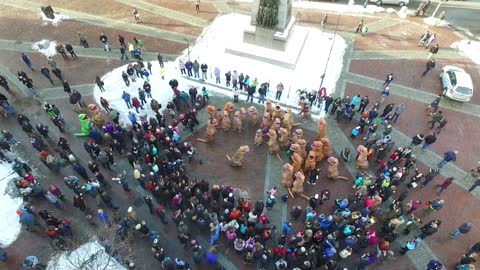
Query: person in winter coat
(196,69)
(228,78)
(132,117)
(66,87)
(103,216)
(104,39)
(436,118)
(399,110)
(410,245)
(193,95)
(27,219)
(136,103)
(429,140)
(125,78)
(430,65)
(216,71)
(46,73)
(432,173)
(58,73)
(204,68)
(448,157)
(4,84)
(126,98)
(148,89)
(71,51)
(27,61)
(417,140)
(189,66)
(462,229)
(250,92)
(141,96)
(181,66)
(433,50)
(355,101)
(444,185)
(387,110)
(100,83)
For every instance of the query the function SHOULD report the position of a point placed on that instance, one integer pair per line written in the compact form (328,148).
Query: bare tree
(106,251)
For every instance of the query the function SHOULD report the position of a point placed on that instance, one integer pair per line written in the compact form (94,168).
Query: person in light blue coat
(127,99)
(103,216)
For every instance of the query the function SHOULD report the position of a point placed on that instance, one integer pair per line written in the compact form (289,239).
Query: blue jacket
(133,118)
(27,218)
(450,156)
(287,229)
(26,59)
(126,97)
(104,217)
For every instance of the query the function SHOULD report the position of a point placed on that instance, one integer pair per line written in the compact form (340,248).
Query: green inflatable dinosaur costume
(86,123)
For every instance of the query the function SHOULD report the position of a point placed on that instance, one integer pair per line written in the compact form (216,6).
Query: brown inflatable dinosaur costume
(362,161)
(332,171)
(287,176)
(236,160)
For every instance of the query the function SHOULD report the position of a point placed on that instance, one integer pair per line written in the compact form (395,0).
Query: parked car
(457,83)
(400,3)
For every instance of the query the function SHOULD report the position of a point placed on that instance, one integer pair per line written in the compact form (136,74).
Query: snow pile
(434,21)
(469,48)
(91,255)
(228,30)
(46,47)
(404,12)
(9,223)
(114,87)
(56,20)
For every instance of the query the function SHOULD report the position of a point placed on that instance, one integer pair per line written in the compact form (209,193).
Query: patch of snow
(435,21)
(228,29)
(210,49)
(469,48)
(56,20)
(404,12)
(114,87)
(46,47)
(10,222)
(91,255)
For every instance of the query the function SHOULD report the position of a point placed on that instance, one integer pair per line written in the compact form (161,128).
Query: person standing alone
(197,6)
(430,65)
(136,15)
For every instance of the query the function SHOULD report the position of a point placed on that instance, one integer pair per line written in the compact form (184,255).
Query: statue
(236,160)
(267,15)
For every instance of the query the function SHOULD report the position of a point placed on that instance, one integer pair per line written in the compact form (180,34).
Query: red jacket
(136,103)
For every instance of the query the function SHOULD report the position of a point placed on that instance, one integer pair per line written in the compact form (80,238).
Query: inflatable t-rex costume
(253,116)
(229,107)
(327,147)
(258,140)
(86,124)
(362,161)
(277,112)
(273,145)
(97,117)
(297,134)
(297,162)
(284,141)
(322,129)
(297,187)
(310,162)
(268,107)
(302,144)
(211,130)
(226,123)
(266,122)
(288,120)
(287,176)
(332,171)
(317,147)
(237,121)
(277,124)
(236,160)
(211,110)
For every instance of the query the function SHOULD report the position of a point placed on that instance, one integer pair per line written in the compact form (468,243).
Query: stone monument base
(270,46)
